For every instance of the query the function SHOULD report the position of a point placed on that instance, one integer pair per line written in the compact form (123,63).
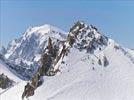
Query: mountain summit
(27,49)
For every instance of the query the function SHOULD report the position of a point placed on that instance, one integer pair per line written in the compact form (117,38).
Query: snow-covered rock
(81,76)
(32,43)
(26,51)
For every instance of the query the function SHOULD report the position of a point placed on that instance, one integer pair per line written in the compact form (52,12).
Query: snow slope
(4,69)
(80,82)
(82,78)
(14,93)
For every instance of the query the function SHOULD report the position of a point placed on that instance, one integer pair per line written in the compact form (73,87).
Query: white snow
(131,52)
(81,77)
(79,81)
(44,29)
(6,71)
(14,93)
(10,75)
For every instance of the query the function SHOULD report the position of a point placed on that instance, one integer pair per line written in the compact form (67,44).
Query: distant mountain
(32,43)
(85,64)
(26,51)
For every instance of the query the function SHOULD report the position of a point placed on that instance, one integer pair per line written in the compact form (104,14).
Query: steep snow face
(27,49)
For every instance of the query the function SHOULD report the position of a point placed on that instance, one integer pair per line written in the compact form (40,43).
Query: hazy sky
(113,18)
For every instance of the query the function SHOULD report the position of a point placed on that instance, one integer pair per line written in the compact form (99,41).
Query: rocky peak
(86,37)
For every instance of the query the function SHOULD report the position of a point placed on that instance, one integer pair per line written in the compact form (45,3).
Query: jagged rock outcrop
(25,52)
(86,37)
(52,54)
(78,57)
(5,82)
(81,36)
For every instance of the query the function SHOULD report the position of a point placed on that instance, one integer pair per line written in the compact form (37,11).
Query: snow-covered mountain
(32,43)
(26,51)
(85,65)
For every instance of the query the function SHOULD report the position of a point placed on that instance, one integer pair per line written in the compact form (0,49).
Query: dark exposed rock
(106,62)
(86,37)
(5,82)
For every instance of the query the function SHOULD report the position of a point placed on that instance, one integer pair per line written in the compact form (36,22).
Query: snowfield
(81,78)
(80,82)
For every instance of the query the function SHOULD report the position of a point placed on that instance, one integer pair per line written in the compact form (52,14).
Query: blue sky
(113,18)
